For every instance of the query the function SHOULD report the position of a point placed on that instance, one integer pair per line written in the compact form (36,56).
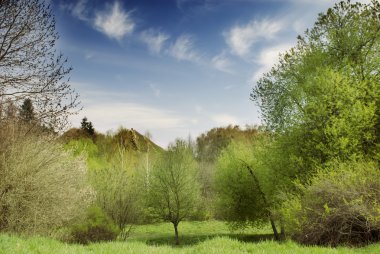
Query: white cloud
(241,39)
(267,58)
(183,49)
(155,40)
(222,63)
(224,119)
(114,22)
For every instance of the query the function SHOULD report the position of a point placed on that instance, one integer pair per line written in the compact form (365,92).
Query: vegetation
(42,186)
(338,206)
(312,170)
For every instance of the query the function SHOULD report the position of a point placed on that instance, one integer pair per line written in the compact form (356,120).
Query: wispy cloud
(154,39)
(241,38)
(183,49)
(114,22)
(222,63)
(78,10)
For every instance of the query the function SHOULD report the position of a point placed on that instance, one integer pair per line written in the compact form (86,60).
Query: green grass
(197,237)
(195,232)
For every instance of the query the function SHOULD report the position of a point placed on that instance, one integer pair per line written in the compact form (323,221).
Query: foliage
(239,199)
(340,205)
(42,186)
(322,98)
(95,227)
(31,67)
(247,183)
(173,189)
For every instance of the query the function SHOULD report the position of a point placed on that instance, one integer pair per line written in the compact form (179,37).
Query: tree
(173,188)
(322,99)
(247,183)
(87,127)
(119,195)
(42,187)
(26,112)
(30,66)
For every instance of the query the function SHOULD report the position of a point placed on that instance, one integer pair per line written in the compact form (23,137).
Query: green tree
(323,97)
(173,189)
(247,183)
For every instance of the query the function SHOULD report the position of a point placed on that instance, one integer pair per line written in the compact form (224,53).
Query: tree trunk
(282,229)
(176,233)
(275,233)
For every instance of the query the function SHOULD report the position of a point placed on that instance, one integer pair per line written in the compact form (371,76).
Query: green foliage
(239,199)
(322,99)
(96,227)
(339,205)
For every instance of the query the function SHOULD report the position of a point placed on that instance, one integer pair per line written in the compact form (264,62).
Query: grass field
(197,237)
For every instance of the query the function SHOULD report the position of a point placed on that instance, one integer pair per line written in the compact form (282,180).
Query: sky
(175,68)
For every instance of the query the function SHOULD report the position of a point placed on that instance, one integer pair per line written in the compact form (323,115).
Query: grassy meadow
(196,237)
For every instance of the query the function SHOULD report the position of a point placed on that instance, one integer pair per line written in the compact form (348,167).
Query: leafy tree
(247,183)
(322,98)
(173,188)
(27,111)
(30,66)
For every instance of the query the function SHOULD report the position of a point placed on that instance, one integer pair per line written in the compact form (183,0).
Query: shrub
(42,186)
(96,227)
(340,205)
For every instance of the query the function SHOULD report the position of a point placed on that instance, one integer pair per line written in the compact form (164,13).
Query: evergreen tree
(26,111)
(87,127)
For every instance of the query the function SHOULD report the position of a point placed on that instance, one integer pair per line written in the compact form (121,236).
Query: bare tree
(30,66)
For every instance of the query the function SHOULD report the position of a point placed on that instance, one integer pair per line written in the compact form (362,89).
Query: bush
(340,205)
(95,228)
(42,187)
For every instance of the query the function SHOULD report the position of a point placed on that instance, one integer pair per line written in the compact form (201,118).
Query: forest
(305,181)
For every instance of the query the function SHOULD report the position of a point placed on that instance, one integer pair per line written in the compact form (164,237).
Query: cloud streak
(241,38)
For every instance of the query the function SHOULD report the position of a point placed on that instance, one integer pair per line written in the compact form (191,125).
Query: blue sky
(175,67)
